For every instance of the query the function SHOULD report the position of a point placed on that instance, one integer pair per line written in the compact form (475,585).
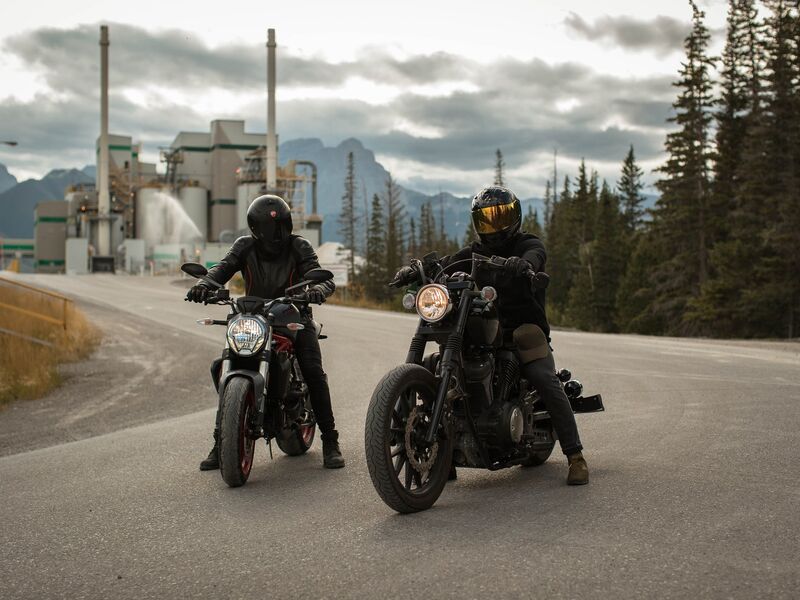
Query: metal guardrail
(62,322)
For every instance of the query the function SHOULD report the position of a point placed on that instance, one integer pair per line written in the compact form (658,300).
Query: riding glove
(198,293)
(516,266)
(403,276)
(315,295)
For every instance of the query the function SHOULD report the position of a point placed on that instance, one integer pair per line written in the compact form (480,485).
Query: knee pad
(531,343)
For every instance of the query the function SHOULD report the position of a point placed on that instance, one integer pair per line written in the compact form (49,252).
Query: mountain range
(17,200)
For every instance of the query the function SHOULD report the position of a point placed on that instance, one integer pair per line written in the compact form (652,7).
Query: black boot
(212,462)
(331,455)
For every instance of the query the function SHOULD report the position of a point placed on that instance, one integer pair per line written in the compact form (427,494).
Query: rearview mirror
(194,269)
(318,275)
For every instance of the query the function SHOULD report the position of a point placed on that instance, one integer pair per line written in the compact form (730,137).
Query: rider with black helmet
(270,260)
(497,219)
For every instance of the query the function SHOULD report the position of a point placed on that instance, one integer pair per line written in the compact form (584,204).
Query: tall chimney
(272,145)
(104,200)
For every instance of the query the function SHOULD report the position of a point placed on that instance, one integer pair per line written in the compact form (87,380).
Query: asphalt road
(694,488)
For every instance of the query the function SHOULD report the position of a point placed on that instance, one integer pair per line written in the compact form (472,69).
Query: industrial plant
(134,218)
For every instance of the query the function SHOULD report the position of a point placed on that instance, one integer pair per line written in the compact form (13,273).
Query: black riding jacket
(268,277)
(517,301)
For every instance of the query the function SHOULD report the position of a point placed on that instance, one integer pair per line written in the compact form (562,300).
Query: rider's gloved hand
(315,295)
(198,293)
(516,266)
(403,276)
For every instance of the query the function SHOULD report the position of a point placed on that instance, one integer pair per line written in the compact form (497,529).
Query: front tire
(236,446)
(408,476)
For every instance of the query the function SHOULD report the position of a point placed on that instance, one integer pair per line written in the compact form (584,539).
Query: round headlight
(433,302)
(246,335)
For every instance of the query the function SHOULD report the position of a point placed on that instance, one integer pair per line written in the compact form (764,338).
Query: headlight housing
(433,302)
(247,335)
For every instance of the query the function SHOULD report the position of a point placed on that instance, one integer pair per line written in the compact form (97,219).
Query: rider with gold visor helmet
(497,219)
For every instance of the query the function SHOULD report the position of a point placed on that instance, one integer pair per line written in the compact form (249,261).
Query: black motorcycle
(464,405)
(261,389)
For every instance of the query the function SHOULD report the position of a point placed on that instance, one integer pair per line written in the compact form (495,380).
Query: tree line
(718,254)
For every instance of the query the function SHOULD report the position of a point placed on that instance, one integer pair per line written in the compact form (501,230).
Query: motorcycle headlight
(433,302)
(246,335)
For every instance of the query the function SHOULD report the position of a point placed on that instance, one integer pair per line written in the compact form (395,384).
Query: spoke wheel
(407,473)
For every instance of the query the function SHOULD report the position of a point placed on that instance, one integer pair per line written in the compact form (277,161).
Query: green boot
(578,470)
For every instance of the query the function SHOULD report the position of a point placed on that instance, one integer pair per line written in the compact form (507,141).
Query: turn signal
(295,326)
(489,293)
(206,321)
(409,301)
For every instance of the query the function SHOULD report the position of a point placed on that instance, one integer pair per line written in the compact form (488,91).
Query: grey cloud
(513,109)
(662,34)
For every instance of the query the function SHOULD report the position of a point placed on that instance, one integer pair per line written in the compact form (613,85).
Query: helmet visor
(494,219)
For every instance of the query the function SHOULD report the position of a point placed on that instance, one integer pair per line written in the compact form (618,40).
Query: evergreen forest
(719,253)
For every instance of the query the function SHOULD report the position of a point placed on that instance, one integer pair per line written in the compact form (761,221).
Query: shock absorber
(509,372)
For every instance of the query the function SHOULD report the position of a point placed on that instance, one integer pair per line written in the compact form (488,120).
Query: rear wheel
(236,444)
(299,436)
(408,474)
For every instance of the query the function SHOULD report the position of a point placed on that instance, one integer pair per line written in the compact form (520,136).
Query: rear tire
(236,447)
(396,397)
(296,441)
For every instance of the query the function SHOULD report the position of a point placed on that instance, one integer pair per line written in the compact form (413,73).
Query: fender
(258,384)
(254,376)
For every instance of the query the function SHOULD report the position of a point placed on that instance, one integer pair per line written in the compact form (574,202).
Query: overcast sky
(433,87)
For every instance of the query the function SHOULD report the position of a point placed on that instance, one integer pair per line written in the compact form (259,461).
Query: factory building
(135,217)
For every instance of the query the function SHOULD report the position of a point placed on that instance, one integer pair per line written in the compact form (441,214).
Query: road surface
(694,487)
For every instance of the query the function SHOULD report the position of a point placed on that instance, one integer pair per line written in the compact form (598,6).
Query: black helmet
(270,221)
(496,215)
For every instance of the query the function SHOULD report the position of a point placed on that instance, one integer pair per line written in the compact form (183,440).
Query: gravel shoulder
(138,375)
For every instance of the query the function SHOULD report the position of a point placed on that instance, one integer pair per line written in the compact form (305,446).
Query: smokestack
(272,145)
(104,200)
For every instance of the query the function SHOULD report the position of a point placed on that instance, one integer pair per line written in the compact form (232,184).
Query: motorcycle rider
(497,218)
(270,260)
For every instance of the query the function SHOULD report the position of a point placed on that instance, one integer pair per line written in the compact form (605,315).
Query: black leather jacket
(267,277)
(517,300)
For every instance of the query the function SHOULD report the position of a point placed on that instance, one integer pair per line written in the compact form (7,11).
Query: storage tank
(50,236)
(194,200)
(246,192)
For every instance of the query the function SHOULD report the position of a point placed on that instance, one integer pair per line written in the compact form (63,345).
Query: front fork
(450,363)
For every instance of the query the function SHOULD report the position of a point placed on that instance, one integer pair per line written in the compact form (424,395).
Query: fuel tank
(283,314)
(484,329)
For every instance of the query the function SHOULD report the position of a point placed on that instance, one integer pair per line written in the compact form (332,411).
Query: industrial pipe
(308,163)
(104,200)
(272,145)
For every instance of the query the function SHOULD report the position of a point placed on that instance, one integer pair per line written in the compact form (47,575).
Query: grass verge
(30,370)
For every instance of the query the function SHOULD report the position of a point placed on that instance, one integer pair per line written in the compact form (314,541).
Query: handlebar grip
(540,280)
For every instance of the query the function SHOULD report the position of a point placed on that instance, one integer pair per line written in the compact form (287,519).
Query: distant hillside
(331,166)
(7,180)
(17,203)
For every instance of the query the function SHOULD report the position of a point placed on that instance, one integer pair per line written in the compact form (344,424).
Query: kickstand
(269,445)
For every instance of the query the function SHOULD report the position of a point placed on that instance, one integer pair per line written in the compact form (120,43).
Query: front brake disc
(423,461)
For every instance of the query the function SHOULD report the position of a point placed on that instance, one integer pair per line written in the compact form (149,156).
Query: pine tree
(348,219)
(375,273)
(630,188)
(530,223)
(548,205)
(413,244)
(562,251)
(608,261)
(681,219)
(636,296)
(499,166)
(394,230)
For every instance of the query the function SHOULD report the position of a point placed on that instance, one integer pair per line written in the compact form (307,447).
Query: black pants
(309,356)
(542,375)
(306,347)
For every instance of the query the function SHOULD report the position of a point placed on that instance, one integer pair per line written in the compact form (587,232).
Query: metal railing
(58,320)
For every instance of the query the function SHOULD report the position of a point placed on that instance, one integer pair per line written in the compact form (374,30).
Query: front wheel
(236,444)
(408,474)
